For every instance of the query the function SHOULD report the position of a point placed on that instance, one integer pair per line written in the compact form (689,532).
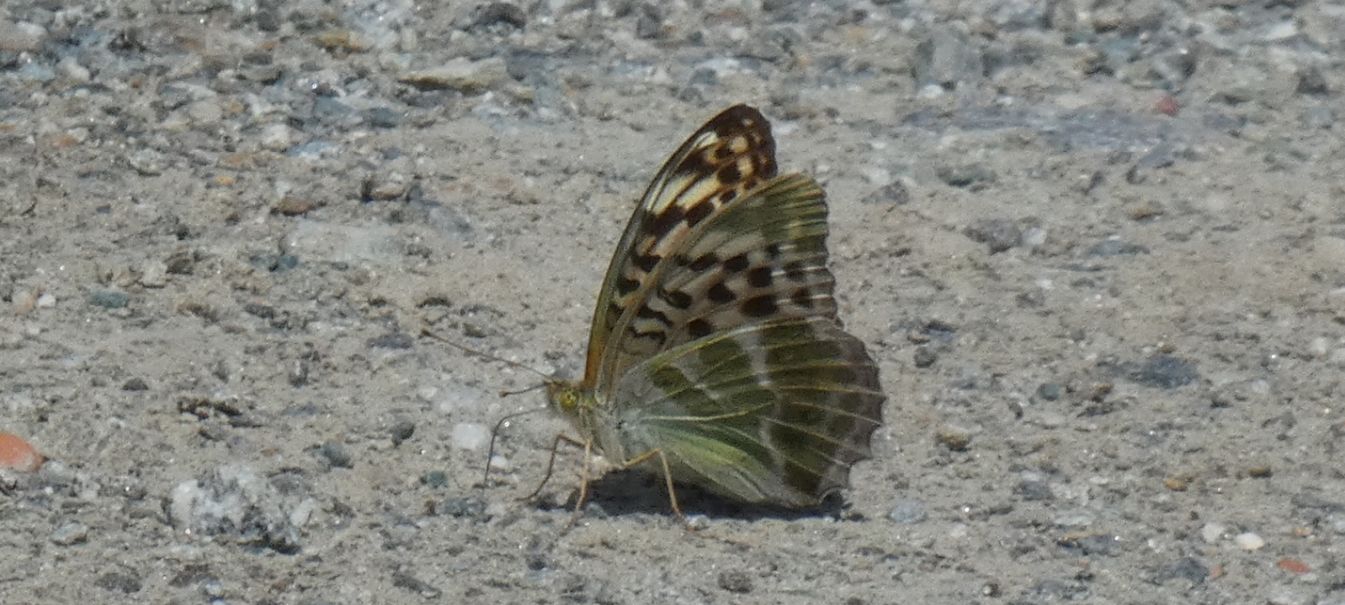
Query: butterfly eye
(567,400)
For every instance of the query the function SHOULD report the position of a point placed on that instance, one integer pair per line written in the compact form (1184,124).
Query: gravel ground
(1097,248)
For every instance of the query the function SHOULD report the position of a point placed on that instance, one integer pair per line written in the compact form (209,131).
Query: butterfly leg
(551,462)
(667,478)
(583,485)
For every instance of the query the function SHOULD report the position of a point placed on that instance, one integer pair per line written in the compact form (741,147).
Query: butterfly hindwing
(774,412)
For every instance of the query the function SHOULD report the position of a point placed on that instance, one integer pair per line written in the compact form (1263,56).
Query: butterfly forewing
(728,156)
(774,412)
(763,258)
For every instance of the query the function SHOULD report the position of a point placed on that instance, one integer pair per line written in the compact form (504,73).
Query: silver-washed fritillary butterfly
(715,357)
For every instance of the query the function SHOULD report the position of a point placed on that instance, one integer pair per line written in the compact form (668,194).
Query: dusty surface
(1098,251)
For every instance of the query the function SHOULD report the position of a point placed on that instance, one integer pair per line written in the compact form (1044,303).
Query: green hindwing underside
(775,412)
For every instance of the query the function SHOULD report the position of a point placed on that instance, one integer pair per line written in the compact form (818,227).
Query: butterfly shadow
(625,493)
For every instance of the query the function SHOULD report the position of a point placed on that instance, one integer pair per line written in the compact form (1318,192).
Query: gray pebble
(924,357)
(1032,490)
(434,479)
(336,454)
(461,506)
(109,299)
(1050,391)
(999,234)
(1116,247)
(401,431)
(948,58)
(460,74)
(735,581)
(1189,569)
(971,176)
(907,511)
(1164,372)
(894,193)
(113,581)
(21,37)
(70,533)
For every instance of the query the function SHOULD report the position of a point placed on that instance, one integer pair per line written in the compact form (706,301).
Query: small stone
(298,373)
(294,206)
(953,438)
(969,176)
(153,274)
(205,112)
(894,193)
(382,117)
(1188,568)
(460,74)
(135,384)
(16,454)
(20,37)
(1176,484)
(277,137)
(1050,391)
(502,13)
(1034,491)
(23,302)
(1074,519)
(336,454)
(1213,532)
(462,506)
(907,512)
(924,357)
(109,299)
(1259,472)
(469,436)
(401,431)
(1249,541)
(435,479)
(72,70)
(948,58)
(1115,247)
(70,533)
(1293,566)
(1311,82)
(998,234)
(384,187)
(118,582)
(1164,372)
(735,581)
(341,40)
(649,25)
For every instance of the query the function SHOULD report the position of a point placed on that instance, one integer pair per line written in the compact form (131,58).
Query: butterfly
(715,356)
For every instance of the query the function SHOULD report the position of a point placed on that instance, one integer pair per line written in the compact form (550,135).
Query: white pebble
(470,436)
(1319,346)
(1249,541)
(72,70)
(877,176)
(47,300)
(277,137)
(1212,532)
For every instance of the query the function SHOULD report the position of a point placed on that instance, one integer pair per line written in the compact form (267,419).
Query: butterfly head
(567,396)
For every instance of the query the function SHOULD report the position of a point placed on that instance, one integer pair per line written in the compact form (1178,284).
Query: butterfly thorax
(580,405)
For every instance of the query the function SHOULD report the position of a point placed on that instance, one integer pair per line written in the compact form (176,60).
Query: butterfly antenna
(495,432)
(482,354)
(530,389)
